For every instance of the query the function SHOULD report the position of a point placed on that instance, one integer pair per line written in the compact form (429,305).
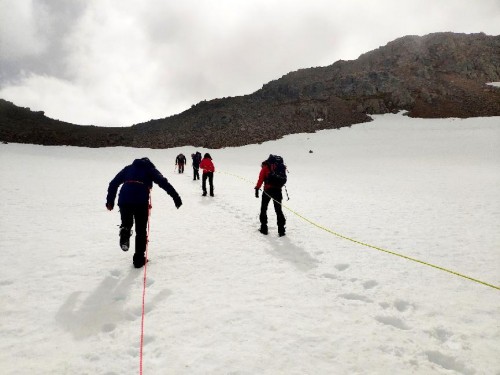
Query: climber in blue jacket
(137,179)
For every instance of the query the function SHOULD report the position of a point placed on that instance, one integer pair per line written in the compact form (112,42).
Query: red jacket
(264,172)
(207,165)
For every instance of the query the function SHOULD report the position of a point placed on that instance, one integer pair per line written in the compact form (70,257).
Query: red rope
(144,287)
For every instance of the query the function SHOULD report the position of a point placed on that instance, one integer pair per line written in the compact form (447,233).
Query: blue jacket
(137,179)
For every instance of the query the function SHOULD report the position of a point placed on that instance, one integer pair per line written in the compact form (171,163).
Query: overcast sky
(121,62)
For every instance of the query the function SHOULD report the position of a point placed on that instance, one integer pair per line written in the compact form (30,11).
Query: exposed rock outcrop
(437,75)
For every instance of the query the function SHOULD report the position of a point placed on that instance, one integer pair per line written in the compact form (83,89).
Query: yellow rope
(372,246)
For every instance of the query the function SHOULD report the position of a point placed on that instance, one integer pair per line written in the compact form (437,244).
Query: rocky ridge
(437,75)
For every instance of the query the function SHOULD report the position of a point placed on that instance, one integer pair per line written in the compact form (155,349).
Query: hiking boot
(263,229)
(204,194)
(281,232)
(139,260)
(125,234)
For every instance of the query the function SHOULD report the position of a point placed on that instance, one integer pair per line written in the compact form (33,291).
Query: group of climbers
(137,180)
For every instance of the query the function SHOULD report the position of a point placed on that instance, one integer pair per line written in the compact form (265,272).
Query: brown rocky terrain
(437,75)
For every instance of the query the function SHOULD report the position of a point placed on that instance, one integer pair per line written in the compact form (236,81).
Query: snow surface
(223,299)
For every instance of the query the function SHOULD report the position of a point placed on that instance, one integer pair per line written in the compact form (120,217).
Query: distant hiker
(273,175)
(208,173)
(137,179)
(180,161)
(196,165)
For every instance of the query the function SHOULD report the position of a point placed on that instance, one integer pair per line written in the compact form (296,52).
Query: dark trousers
(139,214)
(267,195)
(196,173)
(181,168)
(210,177)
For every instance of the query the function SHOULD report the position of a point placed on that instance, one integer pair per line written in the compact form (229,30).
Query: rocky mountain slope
(437,75)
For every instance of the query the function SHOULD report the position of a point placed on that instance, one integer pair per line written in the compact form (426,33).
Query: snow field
(222,298)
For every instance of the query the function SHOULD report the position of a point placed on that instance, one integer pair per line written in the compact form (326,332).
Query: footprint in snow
(115,273)
(109,327)
(392,321)
(341,267)
(440,334)
(369,284)
(355,297)
(448,362)
(402,305)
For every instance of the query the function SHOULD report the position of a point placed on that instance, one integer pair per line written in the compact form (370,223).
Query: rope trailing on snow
(372,246)
(144,288)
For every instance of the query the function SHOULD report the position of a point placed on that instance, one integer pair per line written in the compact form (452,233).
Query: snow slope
(223,299)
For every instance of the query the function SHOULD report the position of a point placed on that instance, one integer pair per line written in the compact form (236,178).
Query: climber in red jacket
(208,173)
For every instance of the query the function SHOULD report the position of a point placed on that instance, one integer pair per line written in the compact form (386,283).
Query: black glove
(110,206)
(256,192)
(177,201)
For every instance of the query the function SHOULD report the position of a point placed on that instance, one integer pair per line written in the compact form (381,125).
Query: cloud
(119,63)
(33,36)
(18,32)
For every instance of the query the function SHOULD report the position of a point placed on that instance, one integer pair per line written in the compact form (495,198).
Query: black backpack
(277,177)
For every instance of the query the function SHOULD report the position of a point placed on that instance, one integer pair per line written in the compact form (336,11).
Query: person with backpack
(273,176)
(208,174)
(196,165)
(137,179)
(180,160)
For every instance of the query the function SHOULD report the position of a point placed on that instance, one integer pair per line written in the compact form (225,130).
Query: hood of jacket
(143,163)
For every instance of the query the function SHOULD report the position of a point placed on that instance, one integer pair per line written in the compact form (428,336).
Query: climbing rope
(372,246)
(144,288)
